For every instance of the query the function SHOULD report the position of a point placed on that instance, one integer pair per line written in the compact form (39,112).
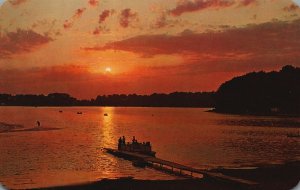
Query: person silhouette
(123,139)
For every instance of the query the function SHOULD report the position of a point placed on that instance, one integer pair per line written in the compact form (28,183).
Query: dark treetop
(176,99)
(261,93)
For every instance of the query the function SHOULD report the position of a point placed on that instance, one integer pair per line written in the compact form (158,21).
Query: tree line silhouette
(261,93)
(176,99)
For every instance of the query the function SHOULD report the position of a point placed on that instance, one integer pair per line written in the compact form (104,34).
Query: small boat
(105,114)
(60,111)
(79,112)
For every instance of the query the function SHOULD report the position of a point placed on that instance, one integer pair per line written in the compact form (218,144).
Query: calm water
(189,136)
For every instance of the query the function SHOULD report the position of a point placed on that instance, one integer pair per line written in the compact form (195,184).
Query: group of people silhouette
(122,141)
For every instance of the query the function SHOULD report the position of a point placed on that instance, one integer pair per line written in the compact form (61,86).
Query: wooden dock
(181,168)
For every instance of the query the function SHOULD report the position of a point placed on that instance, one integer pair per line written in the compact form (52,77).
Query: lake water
(189,136)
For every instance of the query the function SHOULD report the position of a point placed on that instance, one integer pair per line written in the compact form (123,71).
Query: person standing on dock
(123,140)
(133,140)
(120,143)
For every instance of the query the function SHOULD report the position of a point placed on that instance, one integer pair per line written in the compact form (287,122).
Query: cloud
(269,40)
(127,16)
(185,6)
(248,2)
(161,21)
(16,2)
(21,41)
(234,51)
(68,24)
(97,31)
(291,8)
(93,2)
(79,12)
(102,18)
(197,5)
(77,15)
(104,15)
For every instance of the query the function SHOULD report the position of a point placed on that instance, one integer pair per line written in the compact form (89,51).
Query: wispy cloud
(262,38)
(104,15)
(93,2)
(197,5)
(291,8)
(185,6)
(21,41)
(70,22)
(127,16)
(16,2)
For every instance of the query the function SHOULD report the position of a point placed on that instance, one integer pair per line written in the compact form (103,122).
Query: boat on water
(105,114)
(79,113)
(144,148)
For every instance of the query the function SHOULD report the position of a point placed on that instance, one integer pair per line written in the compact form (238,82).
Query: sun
(108,70)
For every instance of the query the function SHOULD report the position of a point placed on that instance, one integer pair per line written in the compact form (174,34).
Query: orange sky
(91,47)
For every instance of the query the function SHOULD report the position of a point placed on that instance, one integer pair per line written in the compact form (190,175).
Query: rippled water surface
(69,149)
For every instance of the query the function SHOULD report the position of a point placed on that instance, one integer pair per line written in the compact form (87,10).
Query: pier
(179,167)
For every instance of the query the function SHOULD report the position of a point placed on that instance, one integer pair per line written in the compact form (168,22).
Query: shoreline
(274,177)
(255,114)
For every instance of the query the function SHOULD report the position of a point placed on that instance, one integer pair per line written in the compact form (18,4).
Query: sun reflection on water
(108,131)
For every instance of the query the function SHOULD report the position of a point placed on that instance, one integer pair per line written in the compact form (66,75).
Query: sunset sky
(94,47)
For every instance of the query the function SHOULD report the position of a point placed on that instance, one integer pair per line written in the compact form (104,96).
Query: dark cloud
(21,41)
(16,2)
(93,2)
(197,5)
(268,45)
(97,31)
(104,15)
(291,8)
(272,37)
(248,2)
(102,18)
(127,16)
(79,12)
(161,21)
(70,22)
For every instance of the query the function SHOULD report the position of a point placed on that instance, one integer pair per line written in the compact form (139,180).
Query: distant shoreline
(62,106)
(176,99)
(214,110)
